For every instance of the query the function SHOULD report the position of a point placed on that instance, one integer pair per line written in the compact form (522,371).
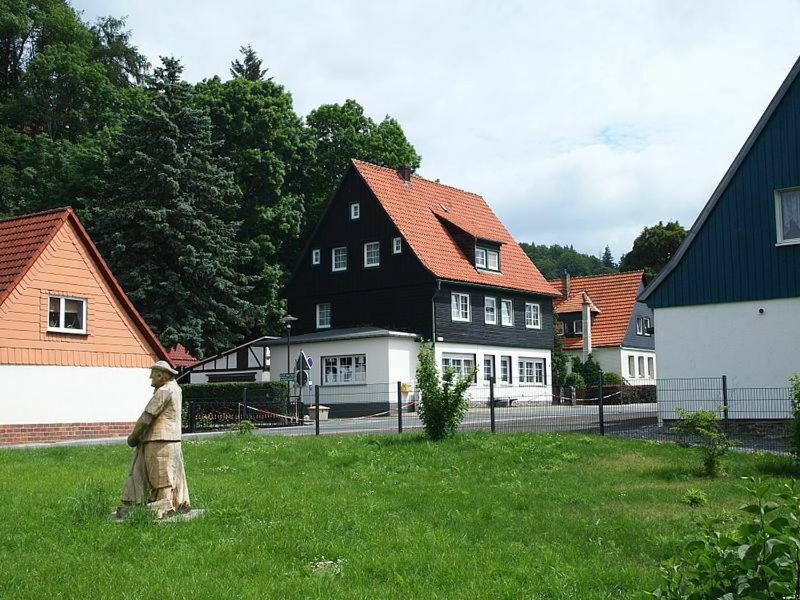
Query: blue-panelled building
(729,300)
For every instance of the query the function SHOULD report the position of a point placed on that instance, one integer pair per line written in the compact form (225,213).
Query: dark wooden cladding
(734,256)
(478,332)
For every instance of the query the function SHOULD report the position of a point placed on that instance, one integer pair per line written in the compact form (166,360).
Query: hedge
(232,391)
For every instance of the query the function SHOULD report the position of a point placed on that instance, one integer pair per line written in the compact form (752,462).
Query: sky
(580,123)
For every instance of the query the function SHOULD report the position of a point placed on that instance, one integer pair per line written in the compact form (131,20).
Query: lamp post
(288,320)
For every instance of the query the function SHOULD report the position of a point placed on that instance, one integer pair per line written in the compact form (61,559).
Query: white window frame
(489,300)
(646,326)
(333,259)
(651,367)
(531,370)
(397,245)
(480,258)
(371,246)
(530,323)
(577,327)
(458,362)
(510,323)
(489,255)
(320,306)
(506,364)
(338,376)
(781,241)
(62,313)
(355,211)
(639,326)
(632,366)
(488,361)
(560,328)
(457,307)
(316,256)
(640,364)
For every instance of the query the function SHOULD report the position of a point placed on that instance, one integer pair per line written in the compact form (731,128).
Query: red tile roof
(180,357)
(614,295)
(418,209)
(24,238)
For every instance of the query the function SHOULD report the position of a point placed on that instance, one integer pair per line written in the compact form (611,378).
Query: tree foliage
(249,67)
(559,358)
(653,248)
(341,132)
(166,222)
(555,260)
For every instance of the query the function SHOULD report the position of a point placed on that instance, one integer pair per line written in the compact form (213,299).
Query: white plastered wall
(57,394)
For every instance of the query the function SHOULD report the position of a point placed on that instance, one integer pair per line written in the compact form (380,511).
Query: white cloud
(579,122)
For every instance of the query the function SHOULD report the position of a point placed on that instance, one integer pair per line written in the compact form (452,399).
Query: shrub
(589,370)
(695,498)
(232,391)
(612,379)
(243,427)
(754,556)
(444,402)
(794,425)
(574,380)
(704,425)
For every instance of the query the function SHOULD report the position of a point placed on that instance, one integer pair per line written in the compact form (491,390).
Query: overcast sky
(579,122)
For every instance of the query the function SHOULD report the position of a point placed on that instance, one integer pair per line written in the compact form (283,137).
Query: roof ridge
(63,209)
(573,277)
(414,175)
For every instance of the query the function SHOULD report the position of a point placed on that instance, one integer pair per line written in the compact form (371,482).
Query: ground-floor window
(462,364)
(343,370)
(505,369)
(641,366)
(631,366)
(651,367)
(531,370)
(488,367)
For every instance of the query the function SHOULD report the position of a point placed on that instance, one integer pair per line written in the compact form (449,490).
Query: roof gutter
(433,310)
(496,287)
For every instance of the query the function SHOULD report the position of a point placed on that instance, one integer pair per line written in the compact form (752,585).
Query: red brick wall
(57,432)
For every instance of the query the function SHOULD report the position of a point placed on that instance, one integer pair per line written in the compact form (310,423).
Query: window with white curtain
(459,304)
(344,370)
(787,212)
(507,312)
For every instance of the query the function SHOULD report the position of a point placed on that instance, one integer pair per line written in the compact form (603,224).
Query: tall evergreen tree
(166,222)
(250,65)
(607,259)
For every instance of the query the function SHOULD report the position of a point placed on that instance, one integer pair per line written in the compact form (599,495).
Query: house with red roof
(600,315)
(396,259)
(75,354)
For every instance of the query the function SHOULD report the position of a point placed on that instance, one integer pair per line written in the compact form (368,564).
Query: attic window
(66,315)
(444,207)
(487,258)
(355,211)
(787,216)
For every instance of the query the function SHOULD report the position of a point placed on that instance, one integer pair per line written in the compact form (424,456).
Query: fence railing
(755,418)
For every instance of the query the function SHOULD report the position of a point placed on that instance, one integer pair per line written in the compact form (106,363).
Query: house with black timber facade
(728,302)
(396,259)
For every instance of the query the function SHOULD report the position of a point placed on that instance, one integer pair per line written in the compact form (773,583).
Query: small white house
(247,362)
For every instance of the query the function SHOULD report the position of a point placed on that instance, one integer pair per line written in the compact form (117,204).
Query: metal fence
(754,418)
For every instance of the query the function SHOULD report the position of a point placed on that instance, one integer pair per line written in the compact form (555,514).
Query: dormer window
(487,259)
(355,211)
(577,327)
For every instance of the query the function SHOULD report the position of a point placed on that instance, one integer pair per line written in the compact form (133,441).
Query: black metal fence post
(192,416)
(491,403)
(242,407)
(316,411)
(600,404)
(725,401)
(399,407)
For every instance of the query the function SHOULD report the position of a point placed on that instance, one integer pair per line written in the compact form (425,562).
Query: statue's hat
(163,365)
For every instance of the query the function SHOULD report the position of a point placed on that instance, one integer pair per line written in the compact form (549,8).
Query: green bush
(695,498)
(612,379)
(574,380)
(589,370)
(243,427)
(756,555)
(713,443)
(444,402)
(794,425)
(232,391)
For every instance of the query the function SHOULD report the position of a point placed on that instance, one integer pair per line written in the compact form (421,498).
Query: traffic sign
(287,377)
(302,363)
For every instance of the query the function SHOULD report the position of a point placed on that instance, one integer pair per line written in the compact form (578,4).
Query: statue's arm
(141,427)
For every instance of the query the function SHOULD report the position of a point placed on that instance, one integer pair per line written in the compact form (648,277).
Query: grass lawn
(480,516)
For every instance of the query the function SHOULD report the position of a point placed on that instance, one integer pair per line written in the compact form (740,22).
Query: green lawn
(479,516)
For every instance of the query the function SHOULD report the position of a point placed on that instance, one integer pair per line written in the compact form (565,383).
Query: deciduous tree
(653,248)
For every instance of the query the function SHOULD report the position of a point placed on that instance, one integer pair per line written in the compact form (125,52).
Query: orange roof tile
(181,357)
(614,295)
(417,211)
(24,238)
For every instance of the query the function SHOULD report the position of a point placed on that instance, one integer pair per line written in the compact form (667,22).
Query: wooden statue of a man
(156,477)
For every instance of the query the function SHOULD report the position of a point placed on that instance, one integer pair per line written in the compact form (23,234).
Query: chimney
(565,285)
(405,174)
(586,314)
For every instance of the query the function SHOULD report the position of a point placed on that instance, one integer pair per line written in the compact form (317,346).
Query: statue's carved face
(159,377)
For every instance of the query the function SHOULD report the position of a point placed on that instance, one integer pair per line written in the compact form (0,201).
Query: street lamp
(288,320)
